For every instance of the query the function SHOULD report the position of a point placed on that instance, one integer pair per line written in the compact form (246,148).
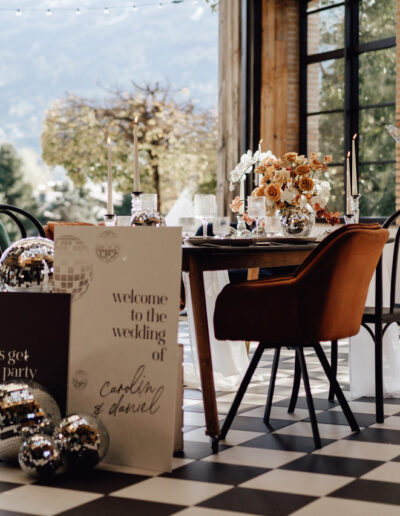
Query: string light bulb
(18,13)
(106,10)
(77,11)
(134,8)
(160,5)
(48,12)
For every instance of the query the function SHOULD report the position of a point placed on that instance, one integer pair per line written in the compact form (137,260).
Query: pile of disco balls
(32,432)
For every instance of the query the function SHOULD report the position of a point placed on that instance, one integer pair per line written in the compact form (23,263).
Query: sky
(44,57)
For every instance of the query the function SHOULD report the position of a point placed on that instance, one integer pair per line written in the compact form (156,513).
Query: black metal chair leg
(271,388)
(378,374)
(310,403)
(336,388)
(334,357)
(296,386)
(242,389)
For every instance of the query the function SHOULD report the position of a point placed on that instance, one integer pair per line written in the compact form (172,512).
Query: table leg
(252,274)
(203,348)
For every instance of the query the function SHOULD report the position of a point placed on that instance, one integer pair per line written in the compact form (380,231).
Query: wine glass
(221,226)
(188,226)
(256,210)
(273,225)
(204,208)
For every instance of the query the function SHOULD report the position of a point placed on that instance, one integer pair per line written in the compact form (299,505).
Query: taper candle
(110,208)
(136,177)
(354,175)
(348,186)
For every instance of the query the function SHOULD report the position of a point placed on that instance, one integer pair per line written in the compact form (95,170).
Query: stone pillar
(228,97)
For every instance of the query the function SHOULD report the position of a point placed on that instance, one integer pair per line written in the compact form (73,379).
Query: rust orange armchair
(323,300)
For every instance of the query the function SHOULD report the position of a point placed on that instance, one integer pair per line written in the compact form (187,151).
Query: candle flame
(108,141)
(354,136)
(136,120)
(348,154)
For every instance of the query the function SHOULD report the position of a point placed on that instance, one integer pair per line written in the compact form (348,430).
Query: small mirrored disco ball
(147,217)
(27,266)
(40,456)
(83,440)
(20,417)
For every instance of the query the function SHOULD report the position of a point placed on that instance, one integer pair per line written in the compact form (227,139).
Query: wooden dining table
(199,258)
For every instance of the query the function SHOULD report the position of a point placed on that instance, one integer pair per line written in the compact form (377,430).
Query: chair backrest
(14,213)
(333,281)
(395,257)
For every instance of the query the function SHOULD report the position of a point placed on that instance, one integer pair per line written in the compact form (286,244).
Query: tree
(72,204)
(177,143)
(14,189)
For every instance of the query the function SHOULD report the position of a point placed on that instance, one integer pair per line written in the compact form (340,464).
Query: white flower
(323,193)
(289,194)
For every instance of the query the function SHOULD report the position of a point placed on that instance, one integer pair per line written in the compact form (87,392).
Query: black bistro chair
(15,214)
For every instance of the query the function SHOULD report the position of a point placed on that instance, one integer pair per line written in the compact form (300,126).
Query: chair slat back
(395,257)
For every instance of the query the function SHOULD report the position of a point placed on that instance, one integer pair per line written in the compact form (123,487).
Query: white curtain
(362,351)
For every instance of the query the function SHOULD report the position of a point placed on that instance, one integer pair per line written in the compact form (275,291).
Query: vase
(241,228)
(296,221)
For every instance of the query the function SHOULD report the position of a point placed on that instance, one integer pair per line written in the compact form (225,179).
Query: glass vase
(296,221)
(241,228)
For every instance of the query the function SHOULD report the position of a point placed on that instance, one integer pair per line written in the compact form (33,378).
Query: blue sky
(44,57)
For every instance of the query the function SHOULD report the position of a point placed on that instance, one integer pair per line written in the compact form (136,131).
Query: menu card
(123,337)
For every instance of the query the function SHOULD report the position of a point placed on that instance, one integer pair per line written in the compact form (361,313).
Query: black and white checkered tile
(259,470)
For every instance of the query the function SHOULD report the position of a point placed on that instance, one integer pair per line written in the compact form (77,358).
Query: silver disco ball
(107,247)
(40,456)
(82,439)
(21,416)
(27,266)
(147,217)
(74,271)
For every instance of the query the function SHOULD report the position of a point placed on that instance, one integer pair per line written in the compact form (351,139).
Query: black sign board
(34,340)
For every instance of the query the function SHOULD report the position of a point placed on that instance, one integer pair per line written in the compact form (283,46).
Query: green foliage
(177,143)
(14,190)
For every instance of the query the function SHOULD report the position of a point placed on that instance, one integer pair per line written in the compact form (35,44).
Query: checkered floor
(270,471)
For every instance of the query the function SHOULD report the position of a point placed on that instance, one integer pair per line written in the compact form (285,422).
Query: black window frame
(350,53)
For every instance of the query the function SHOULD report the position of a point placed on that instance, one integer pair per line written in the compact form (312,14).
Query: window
(347,86)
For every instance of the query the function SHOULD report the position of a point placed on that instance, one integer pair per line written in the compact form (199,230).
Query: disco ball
(27,266)
(21,416)
(107,247)
(40,456)
(147,217)
(74,270)
(82,439)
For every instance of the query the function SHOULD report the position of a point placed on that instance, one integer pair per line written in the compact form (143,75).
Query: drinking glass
(221,227)
(148,201)
(256,210)
(188,226)
(204,209)
(273,224)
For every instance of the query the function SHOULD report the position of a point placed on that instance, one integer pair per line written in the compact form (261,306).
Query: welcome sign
(123,337)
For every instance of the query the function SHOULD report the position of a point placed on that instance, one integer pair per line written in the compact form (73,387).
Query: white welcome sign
(123,338)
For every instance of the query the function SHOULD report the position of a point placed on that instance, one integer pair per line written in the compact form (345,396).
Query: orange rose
(273,192)
(328,158)
(316,163)
(290,156)
(259,191)
(306,183)
(302,170)
(261,169)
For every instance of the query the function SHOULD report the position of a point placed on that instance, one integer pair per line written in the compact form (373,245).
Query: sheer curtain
(362,351)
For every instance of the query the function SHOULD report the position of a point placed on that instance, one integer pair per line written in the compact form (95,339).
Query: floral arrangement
(291,181)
